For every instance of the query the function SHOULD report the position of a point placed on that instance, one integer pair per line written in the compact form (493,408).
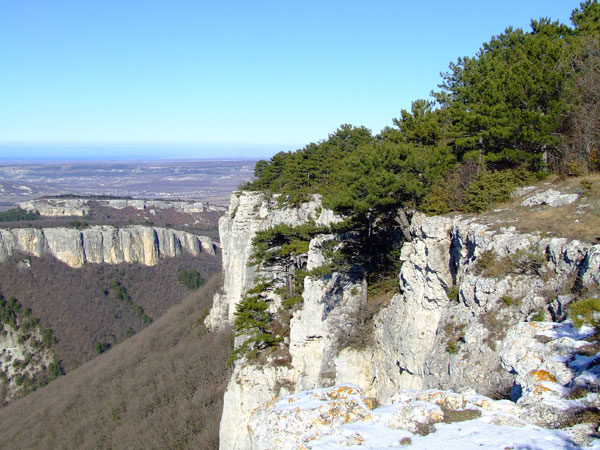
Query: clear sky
(227,77)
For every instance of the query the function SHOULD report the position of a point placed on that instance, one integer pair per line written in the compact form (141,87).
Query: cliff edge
(102,244)
(477,310)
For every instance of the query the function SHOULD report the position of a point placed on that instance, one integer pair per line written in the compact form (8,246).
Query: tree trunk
(290,279)
(402,220)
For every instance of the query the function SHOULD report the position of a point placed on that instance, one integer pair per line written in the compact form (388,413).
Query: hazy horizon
(233,79)
(129,151)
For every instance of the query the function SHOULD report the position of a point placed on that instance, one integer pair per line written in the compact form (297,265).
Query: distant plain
(194,179)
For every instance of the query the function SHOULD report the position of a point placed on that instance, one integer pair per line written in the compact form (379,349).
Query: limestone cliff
(461,318)
(57,207)
(21,356)
(65,207)
(102,244)
(248,213)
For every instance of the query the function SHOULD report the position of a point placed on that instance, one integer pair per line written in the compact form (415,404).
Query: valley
(93,270)
(434,284)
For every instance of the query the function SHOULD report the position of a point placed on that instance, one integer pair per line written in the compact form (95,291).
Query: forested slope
(160,389)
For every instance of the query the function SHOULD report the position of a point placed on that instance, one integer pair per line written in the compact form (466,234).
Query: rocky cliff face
(103,244)
(57,207)
(65,207)
(248,213)
(21,356)
(461,319)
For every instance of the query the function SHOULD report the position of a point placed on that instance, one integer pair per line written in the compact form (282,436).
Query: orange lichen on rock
(323,421)
(540,389)
(271,402)
(542,375)
(340,392)
(312,437)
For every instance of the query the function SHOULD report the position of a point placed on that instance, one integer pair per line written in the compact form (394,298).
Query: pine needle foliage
(253,321)
(525,103)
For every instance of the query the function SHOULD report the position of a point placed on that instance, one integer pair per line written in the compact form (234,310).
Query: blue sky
(226,78)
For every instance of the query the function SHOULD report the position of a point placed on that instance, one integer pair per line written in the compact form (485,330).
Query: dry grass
(496,323)
(575,417)
(571,221)
(160,389)
(460,415)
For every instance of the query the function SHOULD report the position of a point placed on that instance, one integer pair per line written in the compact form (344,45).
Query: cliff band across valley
(103,244)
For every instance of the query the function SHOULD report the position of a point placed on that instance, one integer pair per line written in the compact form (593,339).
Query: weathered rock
(416,417)
(250,387)
(57,207)
(287,423)
(17,346)
(64,207)
(248,213)
(320,326)
(590,269)
(550,198)
(181,206)
(340,416)
(357,365)
(422,339)
(103,244)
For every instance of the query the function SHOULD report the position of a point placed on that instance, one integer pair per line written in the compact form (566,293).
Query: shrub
(449,194)
(586,184)
(190,278)
(508,300)
(101,347)
(78,224)
(120,292)
(460,415)
(576,168)
(585,311)
(538,316)
(522,261)
(487,188)
(529,262)
(453,292)
(18,214)
(47,338)
(451,347)
(55,370)
(485,262)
